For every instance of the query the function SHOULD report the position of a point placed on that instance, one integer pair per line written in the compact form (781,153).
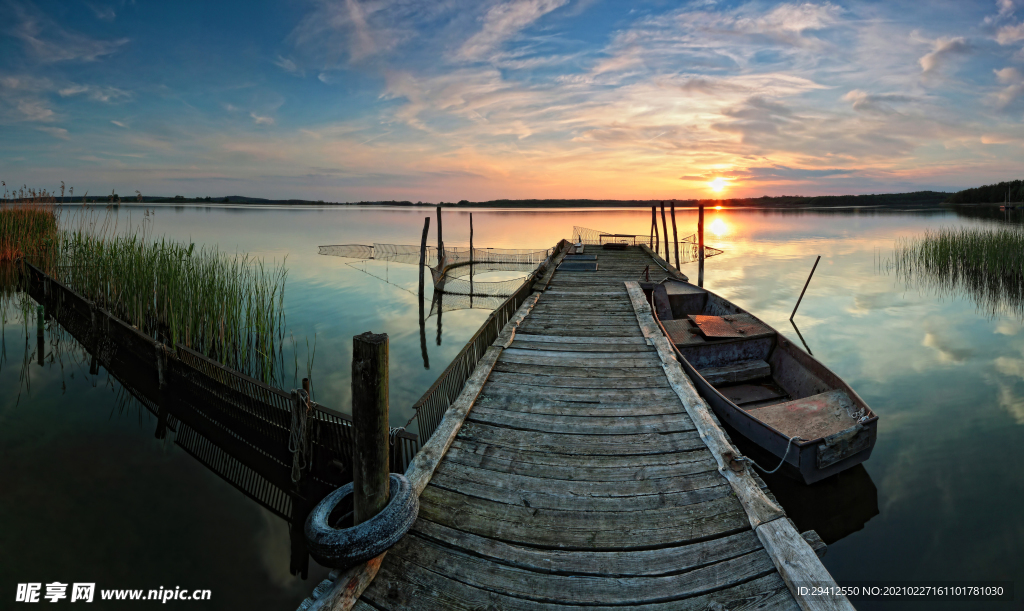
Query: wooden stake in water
(440,241)
(370,468)
(654,228)
(700,246)
(423,265)
(675,235)
(423,255)
(664,226)
(805,288)
(40,347)
(471,260)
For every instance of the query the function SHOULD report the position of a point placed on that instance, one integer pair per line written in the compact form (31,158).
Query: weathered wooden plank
(743,371)
(579,372)
(594,530)
(584,395)
(584,589)
(799,566)
(553,380)
(583,425)
(508,332)
(552,493)
(568,339)
(532,405)
(593,445)
(580,468)
(418,589)
(647,562)
(578,359)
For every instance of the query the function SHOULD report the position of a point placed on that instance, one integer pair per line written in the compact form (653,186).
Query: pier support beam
(664,227)
(675,235)
(700,247)
(370,468)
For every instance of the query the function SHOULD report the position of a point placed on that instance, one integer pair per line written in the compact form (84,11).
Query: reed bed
(28,224)
(227,307)
(985,265)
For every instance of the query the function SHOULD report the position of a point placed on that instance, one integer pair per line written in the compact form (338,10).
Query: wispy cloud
(56,132)
(103,13)
(119,124)
(502,22)
(287,65)
(48,42)
(261,120)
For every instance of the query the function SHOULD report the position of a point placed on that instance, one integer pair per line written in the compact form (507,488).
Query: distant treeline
(990,194)
(919,198)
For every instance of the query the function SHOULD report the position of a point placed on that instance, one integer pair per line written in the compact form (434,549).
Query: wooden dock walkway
(579,478)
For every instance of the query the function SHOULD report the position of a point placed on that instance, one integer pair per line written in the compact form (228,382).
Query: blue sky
(455,99)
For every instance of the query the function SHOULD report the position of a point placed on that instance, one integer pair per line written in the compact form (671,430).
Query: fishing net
(454,255)
(447,302)
(689,248)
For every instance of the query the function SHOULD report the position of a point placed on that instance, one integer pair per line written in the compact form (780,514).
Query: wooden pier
(580,468)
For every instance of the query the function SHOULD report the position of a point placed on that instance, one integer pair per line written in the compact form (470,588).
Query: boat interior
(754,367)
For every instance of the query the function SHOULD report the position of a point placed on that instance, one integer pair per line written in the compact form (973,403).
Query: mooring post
(40,326)
(423,254)
(370,469)
(440,240)
(675,235)
(664,227)
(654,228)
(471,260)
(700,246)
(805,288)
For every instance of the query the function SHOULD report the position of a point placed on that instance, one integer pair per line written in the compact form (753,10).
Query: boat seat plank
(812,417)
(743,371)
(741,394)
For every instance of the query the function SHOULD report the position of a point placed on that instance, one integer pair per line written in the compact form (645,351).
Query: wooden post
(161,387)
(440,239)
(675,235)
(654,228)
(370,469)
(700,247)
(664,227)
(471,260)
(805,288)
(40,326)
(423,255)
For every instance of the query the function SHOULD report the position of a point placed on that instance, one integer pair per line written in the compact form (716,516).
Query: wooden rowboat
(768,390)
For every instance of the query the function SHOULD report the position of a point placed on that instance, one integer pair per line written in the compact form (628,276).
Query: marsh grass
(985,265)
(28,224)
(229,307)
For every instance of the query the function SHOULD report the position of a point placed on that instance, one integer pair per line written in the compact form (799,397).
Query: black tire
(342,548)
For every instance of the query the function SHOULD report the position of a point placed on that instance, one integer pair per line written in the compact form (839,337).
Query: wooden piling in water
(370,468)
(675,234)
(700,246)
(654,228)
(423,254)
(440,240)
(664,227)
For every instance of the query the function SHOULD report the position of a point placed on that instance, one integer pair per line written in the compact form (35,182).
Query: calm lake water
(89,495)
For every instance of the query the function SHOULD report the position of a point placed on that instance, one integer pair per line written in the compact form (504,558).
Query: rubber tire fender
(343,548)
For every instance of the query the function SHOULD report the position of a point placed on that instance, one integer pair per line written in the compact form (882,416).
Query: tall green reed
(229,307)
(985,265)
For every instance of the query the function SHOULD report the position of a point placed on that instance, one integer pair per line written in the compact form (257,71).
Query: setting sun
(718,184)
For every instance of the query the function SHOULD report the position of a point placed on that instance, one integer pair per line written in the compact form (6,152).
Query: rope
(789,444)
(298,437)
